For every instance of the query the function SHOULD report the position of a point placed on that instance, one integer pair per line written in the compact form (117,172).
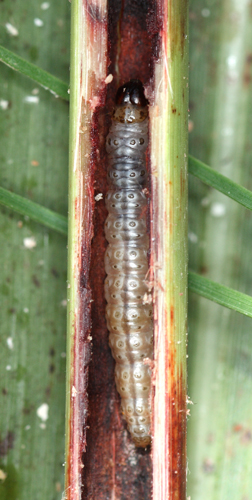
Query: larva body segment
(128,313)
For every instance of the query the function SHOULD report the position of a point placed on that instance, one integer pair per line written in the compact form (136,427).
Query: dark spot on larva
(52,351)
(136,344)
(4,391)
(174,110)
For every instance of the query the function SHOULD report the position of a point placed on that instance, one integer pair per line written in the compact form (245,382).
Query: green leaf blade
(223,295)
(45,79)
(36,212)
(218,181)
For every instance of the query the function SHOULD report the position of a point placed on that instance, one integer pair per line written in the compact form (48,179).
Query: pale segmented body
(129,315)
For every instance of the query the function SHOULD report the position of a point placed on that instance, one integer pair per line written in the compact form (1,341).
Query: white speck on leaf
(38,22)
(30,242)
(231,61)
(218,209)
(43,411)
(45,5)
(205,12)
(193,237)
(11,29)
(4,104)
(9,341)
(3,475)
(31,99)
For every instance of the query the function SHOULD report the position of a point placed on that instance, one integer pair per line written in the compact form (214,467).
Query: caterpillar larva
(128,313)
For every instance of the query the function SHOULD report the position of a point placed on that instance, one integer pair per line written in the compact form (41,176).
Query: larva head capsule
(131,92)
(131,103)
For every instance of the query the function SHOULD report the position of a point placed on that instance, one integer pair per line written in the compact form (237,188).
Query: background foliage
(34,163)
(220,231)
